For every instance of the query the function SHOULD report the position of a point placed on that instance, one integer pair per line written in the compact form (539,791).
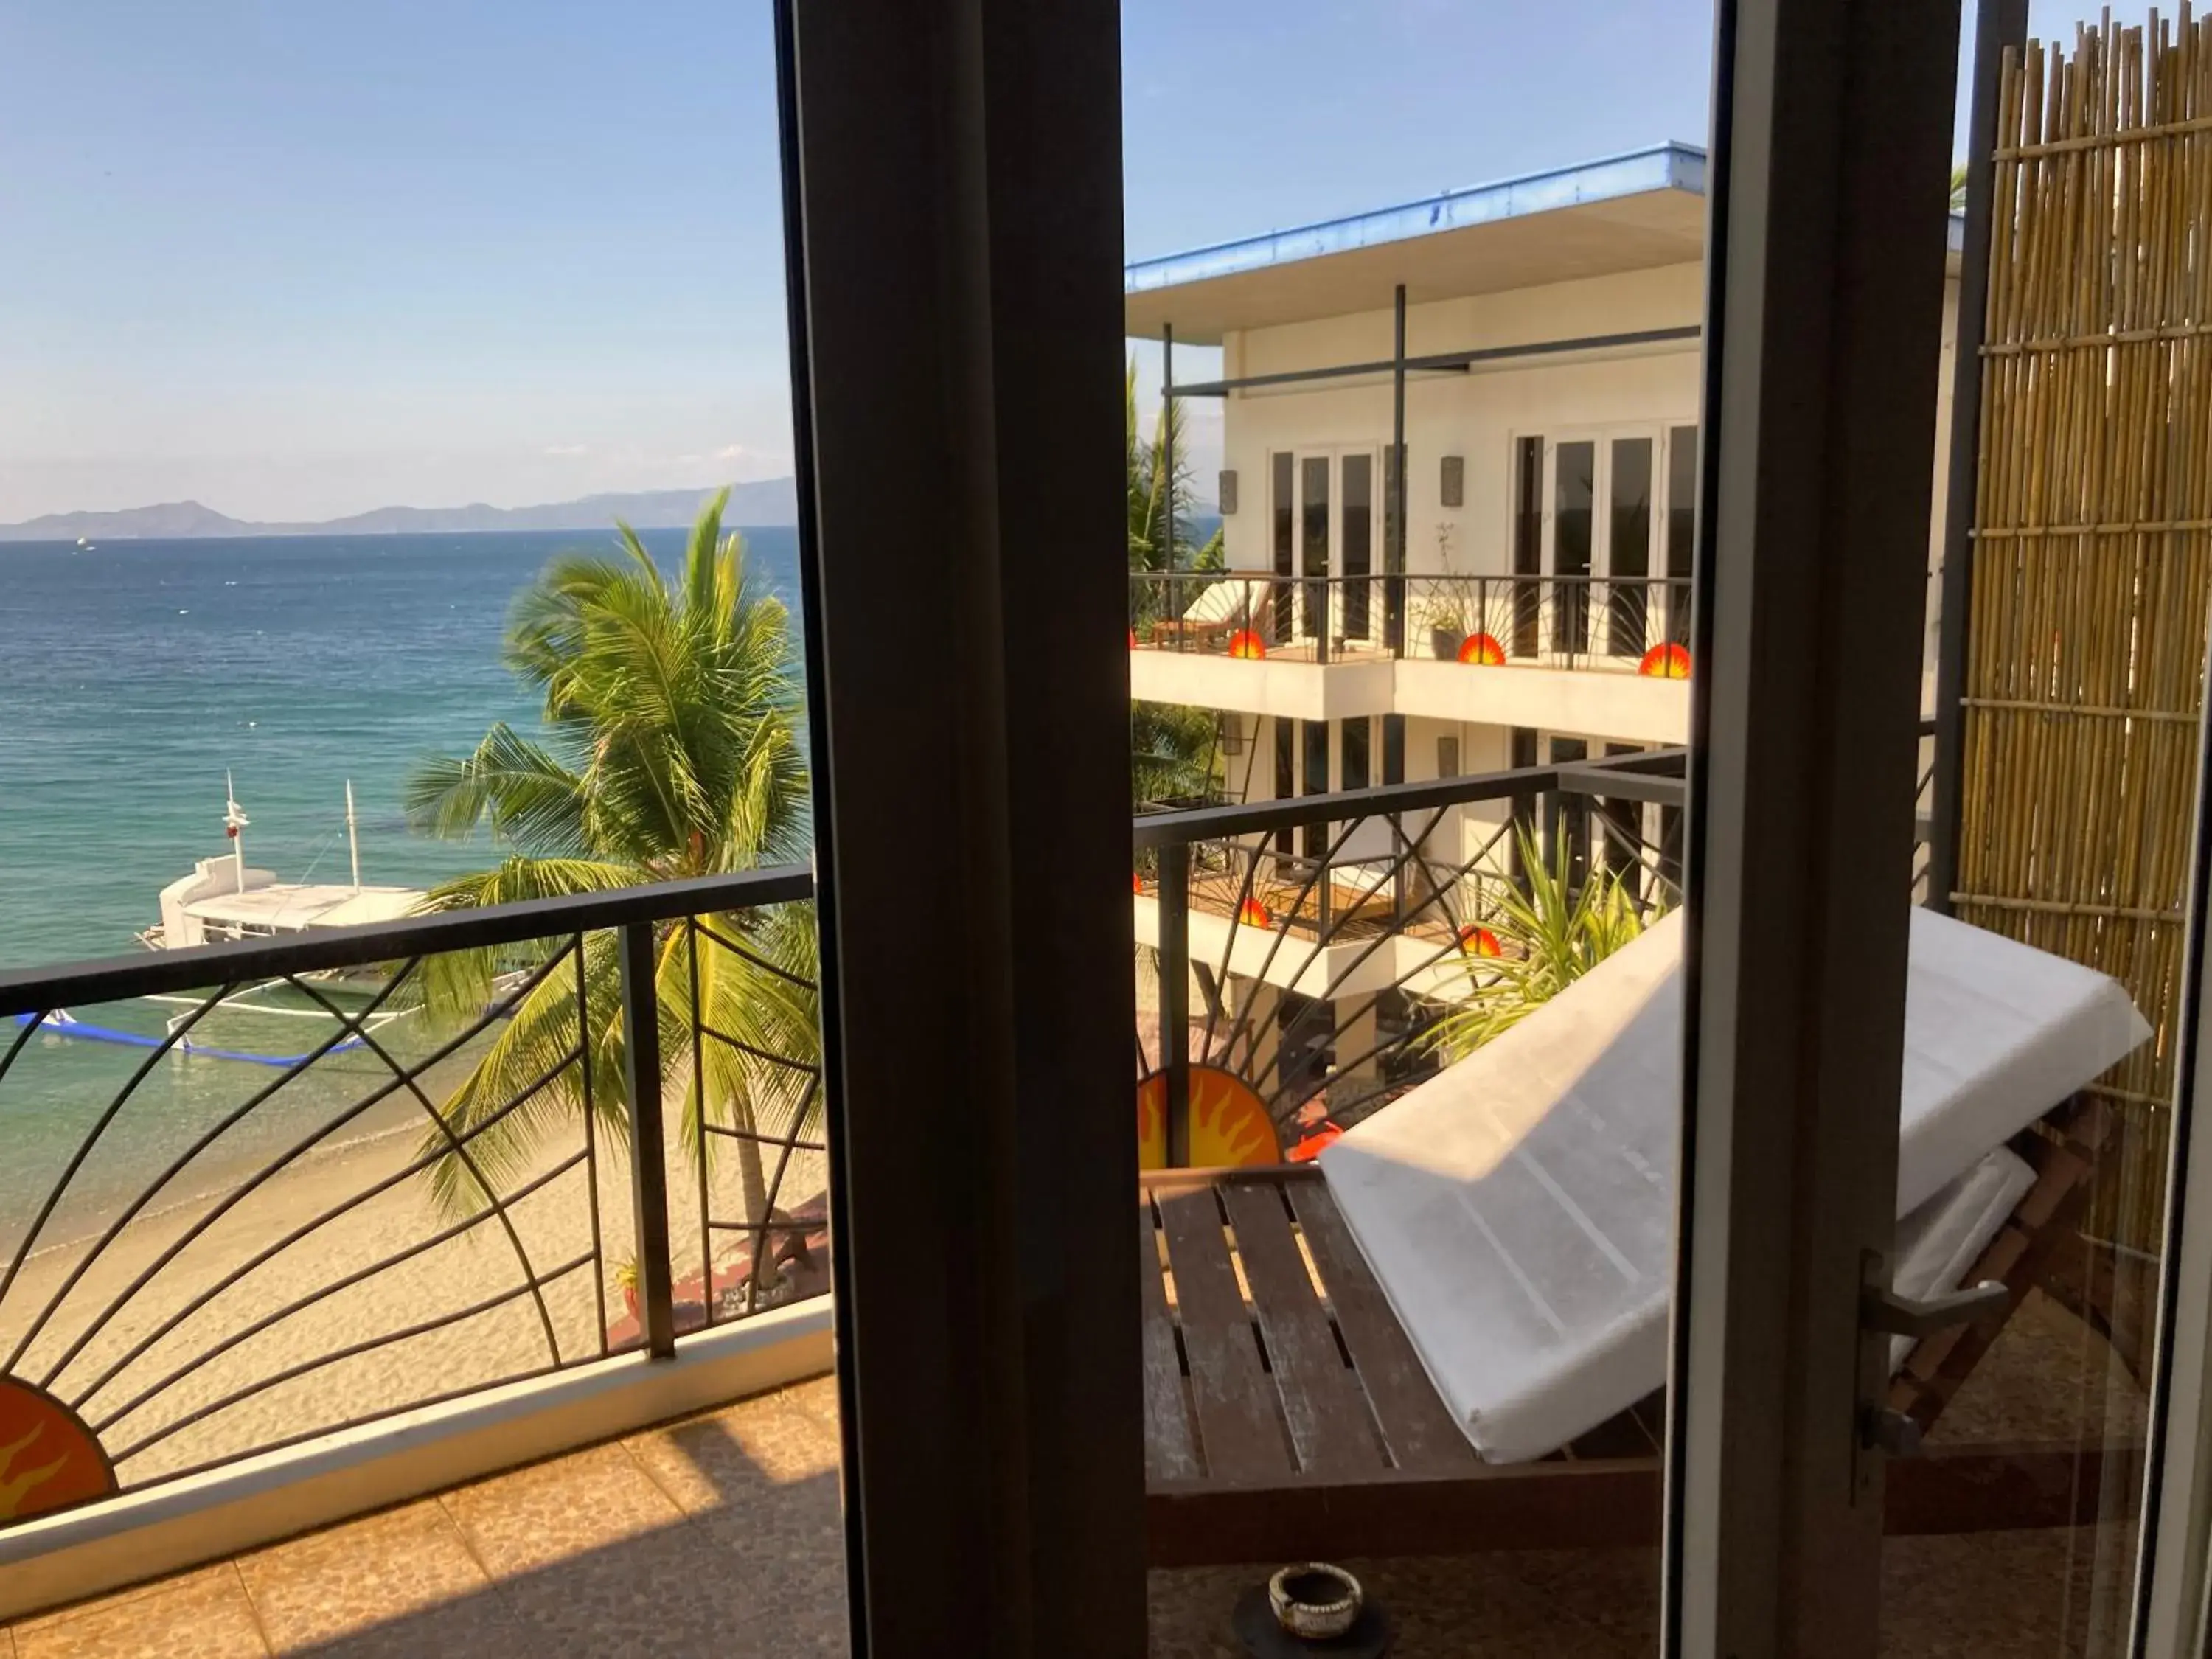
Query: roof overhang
(1631,212)
(1625,212)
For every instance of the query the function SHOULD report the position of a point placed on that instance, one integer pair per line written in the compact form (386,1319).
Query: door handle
(1884,1309)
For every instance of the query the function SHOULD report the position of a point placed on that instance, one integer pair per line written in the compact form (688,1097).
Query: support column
(1999,24)
(953,176)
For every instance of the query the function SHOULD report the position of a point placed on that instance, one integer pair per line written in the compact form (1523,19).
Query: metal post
(1393,546)
(1999,25)
(1167,441)
(1175,996)
(648,1167)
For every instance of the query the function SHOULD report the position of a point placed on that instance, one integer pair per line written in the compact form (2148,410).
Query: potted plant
(1447,605)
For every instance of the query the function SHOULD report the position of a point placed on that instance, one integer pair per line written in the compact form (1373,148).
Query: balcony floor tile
(338,1586)
(199,1615)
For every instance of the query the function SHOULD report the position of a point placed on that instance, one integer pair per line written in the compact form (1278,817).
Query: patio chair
(1220,609)
(1448,1334)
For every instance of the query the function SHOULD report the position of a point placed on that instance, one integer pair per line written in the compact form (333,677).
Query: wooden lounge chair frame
(1288,1417)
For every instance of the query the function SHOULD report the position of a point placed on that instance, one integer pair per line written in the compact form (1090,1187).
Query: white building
(1550,392)
(1537,342)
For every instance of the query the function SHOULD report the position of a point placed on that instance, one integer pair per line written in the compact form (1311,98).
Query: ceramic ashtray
(1313,1601)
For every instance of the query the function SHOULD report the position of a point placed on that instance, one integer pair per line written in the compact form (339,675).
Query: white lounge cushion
(1518,1208)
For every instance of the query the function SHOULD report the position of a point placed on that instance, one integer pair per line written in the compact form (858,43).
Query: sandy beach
(325,1295)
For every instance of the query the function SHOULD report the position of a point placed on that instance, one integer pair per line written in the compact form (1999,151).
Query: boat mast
(233,820)
(353,836)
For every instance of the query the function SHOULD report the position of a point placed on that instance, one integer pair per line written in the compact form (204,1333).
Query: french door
(1603,521)
(1327,516)
(990,1308)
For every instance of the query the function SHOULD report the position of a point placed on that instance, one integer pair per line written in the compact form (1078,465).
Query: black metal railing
(1327,939)
(510,1141)
(1639,623)
(211,1248)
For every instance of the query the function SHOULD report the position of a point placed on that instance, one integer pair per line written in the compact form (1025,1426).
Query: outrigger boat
(225,899)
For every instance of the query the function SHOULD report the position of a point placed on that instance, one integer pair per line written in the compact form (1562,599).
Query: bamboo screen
(2093,539)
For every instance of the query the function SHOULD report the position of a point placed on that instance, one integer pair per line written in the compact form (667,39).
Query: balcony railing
(209,1250)
(1622,623)
(1328,940)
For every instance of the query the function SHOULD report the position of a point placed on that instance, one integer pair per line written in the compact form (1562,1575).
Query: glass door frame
(957,335)
(1827,225)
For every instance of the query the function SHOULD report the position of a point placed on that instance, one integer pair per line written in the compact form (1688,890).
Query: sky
(296,258)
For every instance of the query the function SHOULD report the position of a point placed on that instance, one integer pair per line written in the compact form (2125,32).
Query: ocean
(134,675)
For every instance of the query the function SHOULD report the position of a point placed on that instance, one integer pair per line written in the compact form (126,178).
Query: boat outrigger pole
(353,836)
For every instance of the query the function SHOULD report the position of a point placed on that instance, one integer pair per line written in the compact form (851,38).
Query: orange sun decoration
(1247,643)
(1228,1121)
(1482,650)
(48,1458)
(1253,913)
(1666,662)
(1480,941)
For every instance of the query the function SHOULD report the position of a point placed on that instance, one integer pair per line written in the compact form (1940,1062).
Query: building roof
(1628,212)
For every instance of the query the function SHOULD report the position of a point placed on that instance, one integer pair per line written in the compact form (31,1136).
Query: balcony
(1606,655)
(263,1322)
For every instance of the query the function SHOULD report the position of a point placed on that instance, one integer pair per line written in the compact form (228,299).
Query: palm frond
(1550,932)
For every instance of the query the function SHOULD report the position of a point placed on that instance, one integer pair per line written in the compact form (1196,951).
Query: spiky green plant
(670,749)
(1550,933)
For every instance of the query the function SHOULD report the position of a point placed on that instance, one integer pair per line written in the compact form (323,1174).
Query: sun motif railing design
(1295,958)
(202,1259)
(1633,624)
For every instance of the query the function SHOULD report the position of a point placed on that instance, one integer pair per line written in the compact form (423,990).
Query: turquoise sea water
(133,674)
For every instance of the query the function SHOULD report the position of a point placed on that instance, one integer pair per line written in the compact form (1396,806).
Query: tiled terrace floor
(720,1535)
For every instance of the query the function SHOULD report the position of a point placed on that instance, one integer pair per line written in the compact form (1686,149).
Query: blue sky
(300,257)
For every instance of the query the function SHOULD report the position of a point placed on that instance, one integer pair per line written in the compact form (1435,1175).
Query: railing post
(1175,996)
(648,1169)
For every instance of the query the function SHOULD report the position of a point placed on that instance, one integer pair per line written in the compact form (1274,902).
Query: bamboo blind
(2093,565)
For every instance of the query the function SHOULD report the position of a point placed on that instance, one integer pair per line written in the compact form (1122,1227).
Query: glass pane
(1352,766)
(355,391)
(1312,500)
(1628,547)
(1682,530)
(2082,634)
(1347,973)
(1359,472)
(1574,493)
(1528,541)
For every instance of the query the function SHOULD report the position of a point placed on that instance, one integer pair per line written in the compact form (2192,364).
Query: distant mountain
(769,502)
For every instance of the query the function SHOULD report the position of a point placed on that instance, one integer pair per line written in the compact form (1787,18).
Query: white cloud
(568,449)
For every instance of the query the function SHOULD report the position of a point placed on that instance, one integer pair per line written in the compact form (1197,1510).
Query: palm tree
(1171,748)
(1158,506)
(670,749)
(1549,937)
(1172,751)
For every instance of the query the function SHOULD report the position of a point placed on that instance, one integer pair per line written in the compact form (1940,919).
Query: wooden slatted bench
(1287,1416)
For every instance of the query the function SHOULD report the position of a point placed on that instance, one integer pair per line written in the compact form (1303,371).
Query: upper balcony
(1608,656)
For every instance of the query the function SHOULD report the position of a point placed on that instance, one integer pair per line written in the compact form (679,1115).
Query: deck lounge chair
(1450,1335)
(1219,609)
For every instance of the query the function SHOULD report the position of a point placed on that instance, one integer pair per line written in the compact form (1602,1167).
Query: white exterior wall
(1475,415)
